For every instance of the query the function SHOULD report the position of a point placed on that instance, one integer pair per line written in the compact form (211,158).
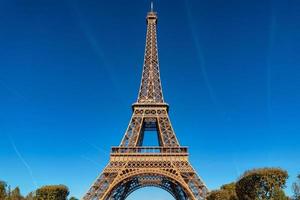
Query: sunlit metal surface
(132,165)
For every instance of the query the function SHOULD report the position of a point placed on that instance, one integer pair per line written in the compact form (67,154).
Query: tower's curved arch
(133,181)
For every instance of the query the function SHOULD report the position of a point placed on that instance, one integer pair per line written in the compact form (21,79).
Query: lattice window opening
(149,134)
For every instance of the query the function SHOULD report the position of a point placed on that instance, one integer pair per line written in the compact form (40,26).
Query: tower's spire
(151,6)
(150,89)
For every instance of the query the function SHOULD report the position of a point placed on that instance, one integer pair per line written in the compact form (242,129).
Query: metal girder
(133,166)
(147,115)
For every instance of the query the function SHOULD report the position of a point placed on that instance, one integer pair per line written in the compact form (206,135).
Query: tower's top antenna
(151,6)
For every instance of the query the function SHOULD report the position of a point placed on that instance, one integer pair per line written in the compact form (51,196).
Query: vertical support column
(133,131)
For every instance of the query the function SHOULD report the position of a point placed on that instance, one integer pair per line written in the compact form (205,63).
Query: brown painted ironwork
(132,165)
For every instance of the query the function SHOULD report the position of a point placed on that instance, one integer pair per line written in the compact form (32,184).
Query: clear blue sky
(70,69)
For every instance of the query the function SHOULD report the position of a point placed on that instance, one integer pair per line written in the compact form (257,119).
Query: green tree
(73,198)
(8,193)
(296,189)
(52,192)
(230,188)
(218,195)
(30,196)
(261,184)
(226,192)
(3,193)
(16,194)
(280,195)
(3,190)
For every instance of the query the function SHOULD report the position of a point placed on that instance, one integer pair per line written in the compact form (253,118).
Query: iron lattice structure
(132,165)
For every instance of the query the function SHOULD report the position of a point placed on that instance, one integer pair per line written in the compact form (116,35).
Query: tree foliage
(49,192)
(261,184)
(280,195)
(16,194)
(230,188)
(52,192)
(30,196)
(226,192)
(218,195)
(7,194)
(296,189)
(2,190)
(73,198)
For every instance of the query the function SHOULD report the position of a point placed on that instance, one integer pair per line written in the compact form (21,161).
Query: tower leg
(127,173)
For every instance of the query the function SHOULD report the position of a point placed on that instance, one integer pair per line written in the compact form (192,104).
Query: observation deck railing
(149,150)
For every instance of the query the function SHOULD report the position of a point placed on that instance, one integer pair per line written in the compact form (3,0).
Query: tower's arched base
(130,171)
(131,184)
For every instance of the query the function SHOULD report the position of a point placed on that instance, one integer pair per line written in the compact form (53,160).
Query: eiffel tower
(132,165)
